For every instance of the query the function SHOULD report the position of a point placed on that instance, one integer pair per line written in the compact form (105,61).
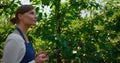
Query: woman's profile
(17,47)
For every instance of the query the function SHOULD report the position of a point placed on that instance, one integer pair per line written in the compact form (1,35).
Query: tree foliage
(66,34)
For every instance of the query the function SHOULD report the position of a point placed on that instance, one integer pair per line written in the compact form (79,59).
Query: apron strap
(21,33)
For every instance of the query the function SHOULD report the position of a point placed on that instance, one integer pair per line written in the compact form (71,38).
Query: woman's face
(29,18)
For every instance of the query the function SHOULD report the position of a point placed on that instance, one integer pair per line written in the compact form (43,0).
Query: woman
(18,48)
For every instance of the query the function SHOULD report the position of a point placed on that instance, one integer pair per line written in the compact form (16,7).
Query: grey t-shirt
(14,49)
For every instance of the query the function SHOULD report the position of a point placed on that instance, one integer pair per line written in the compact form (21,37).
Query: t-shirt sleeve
(11,51)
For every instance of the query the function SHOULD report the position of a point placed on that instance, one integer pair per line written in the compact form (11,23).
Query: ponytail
(14,20)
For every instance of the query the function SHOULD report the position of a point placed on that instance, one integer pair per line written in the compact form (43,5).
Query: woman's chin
(34,23)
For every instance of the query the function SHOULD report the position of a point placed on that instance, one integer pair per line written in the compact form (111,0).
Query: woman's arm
(11,50)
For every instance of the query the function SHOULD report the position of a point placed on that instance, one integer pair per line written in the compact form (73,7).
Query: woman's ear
(20,16)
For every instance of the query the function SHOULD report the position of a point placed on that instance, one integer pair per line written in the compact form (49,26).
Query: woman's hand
(41,57)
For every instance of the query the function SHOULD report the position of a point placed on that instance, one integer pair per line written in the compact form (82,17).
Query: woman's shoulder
(15,36)
(14,39)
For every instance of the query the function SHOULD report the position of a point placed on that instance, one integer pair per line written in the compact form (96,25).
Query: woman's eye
(32,13)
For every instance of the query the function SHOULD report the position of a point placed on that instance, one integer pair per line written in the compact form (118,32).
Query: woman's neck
(23,28)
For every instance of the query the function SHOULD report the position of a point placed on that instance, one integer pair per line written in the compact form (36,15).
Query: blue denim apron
(30,53)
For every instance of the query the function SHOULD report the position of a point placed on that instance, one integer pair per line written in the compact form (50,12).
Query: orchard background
(73,31)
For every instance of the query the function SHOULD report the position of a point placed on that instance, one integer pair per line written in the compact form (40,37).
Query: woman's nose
(35,16)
